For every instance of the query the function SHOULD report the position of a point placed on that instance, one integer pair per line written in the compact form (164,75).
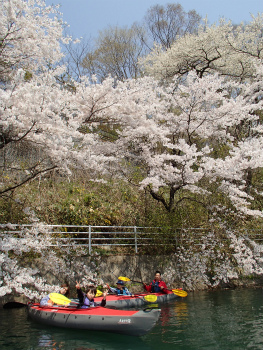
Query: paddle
(60,299)
(99,293)
(150,298)
(126,279)
(179,292)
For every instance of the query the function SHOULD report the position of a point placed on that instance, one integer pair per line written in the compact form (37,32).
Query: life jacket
(88,303)
(123,291)
(155,287)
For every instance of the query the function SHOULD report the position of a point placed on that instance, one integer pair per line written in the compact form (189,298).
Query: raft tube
(137,301)
(130,322)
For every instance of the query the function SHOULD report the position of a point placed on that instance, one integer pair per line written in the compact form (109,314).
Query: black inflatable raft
(137,301)
(132,322)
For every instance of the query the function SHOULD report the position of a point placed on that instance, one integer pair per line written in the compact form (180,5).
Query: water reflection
(181,312)
(70,339)
(47,341)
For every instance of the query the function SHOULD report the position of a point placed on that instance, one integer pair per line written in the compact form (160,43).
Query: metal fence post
(89,239)
(135,239)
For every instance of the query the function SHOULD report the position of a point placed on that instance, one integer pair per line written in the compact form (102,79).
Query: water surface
(224,320)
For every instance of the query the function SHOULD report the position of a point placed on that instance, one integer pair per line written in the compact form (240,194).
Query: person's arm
(103,302)
(163,287)
(127,291)
(80,296)
(80,293)
(111,289)
(147,288)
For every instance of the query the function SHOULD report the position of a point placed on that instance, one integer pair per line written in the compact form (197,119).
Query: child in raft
(120,290)
(86,299)
(46,301)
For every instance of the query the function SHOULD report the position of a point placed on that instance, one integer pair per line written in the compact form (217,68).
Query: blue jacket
(44,300)
(118,291)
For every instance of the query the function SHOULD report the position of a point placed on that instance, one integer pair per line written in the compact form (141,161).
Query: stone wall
(138,268)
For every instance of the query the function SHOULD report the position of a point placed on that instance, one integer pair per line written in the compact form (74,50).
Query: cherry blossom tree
(215,261)
(226,49)
(46,123)
(197,134)
(29,253)
(30,41)
(40,128)
(30,34)
(41,125)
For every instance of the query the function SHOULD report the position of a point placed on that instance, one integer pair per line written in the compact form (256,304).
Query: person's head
(157,275)
(91,292)
(64,289)
(120,284)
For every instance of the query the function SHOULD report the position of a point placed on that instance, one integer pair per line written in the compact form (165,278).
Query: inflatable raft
(137,301)
(131,322)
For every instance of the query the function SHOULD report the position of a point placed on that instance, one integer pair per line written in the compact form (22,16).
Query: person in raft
(86,299)
(157,285)
(64,290)
(120,290)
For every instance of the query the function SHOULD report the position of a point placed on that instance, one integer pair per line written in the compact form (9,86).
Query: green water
(224,320)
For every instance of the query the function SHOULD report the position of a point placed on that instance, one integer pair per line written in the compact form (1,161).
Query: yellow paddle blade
(121,278)
(59,299)
(180,292)
(98,294)
(150,298)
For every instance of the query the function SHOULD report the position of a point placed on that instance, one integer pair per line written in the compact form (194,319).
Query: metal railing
(108,237)
(135,237)
(104,237)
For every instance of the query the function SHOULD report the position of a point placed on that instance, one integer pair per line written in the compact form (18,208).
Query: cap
(120,282)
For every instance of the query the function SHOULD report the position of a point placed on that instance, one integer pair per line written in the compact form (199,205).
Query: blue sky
(87,17)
